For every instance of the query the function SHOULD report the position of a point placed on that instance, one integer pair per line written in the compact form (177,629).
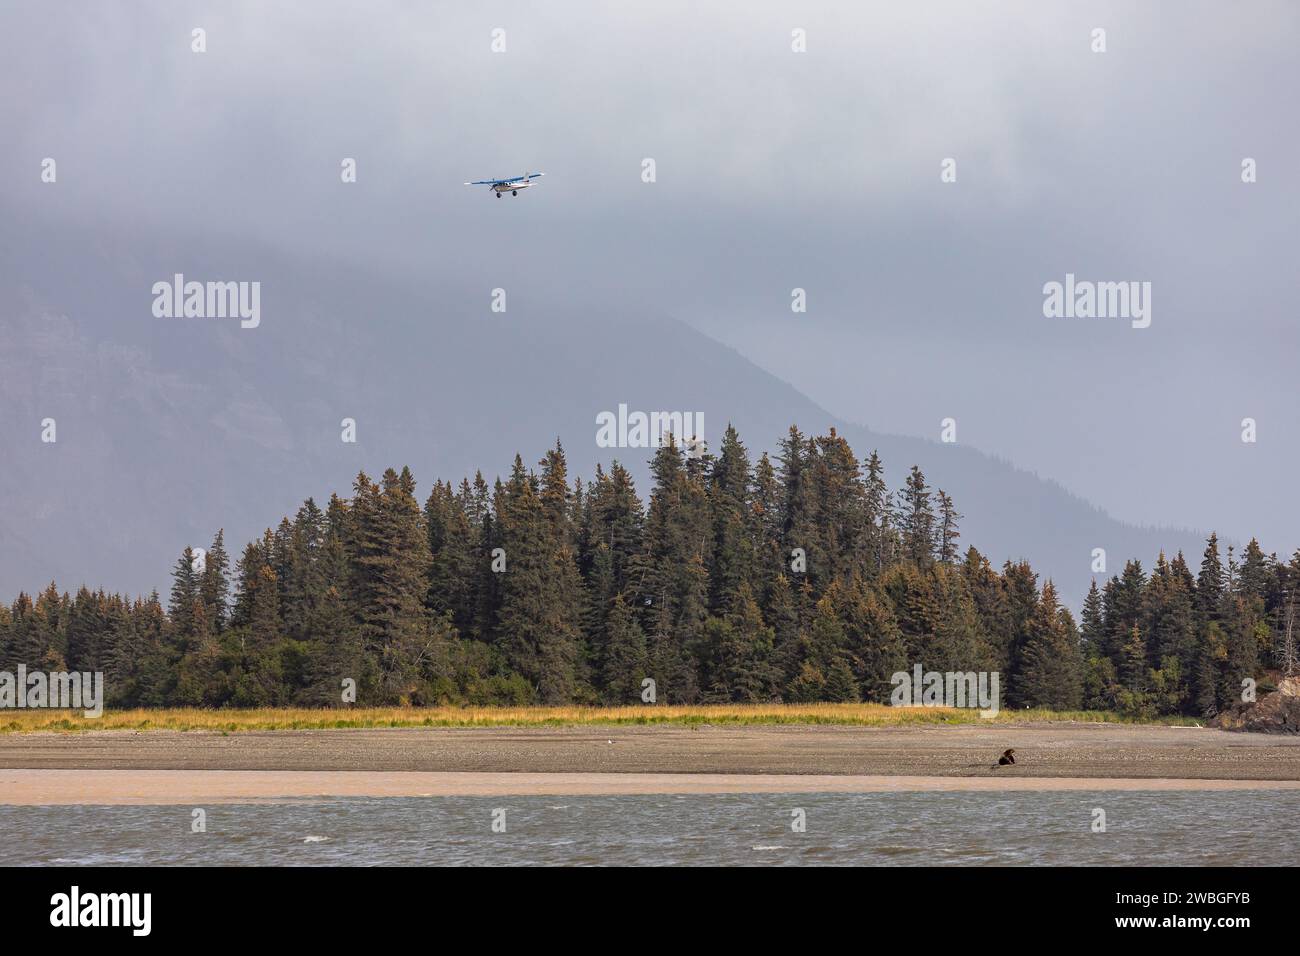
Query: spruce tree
(1093,630)
(1052,675)
(214,584)
(872,639)
(1210,583)
(878,539)
(825,672)
(917,519)
(729,503)
(389,555)
(625,658)
(948,529)
(87,626)
(538,617)
(1133,662)
(185,594)
(29,634)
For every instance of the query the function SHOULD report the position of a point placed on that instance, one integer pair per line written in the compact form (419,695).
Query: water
(895,829)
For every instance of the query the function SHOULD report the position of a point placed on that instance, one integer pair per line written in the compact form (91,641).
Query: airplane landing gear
(514,192)
(498,195)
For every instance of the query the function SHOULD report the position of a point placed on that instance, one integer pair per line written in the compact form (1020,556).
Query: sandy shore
(1048,750)
(194,787)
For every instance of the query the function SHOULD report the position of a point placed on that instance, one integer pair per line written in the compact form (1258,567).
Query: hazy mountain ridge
(187,425)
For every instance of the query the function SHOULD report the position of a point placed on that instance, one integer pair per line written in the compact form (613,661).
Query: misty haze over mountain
(774,171)
(187,425)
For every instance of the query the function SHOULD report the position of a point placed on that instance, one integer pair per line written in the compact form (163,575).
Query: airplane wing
(502,182)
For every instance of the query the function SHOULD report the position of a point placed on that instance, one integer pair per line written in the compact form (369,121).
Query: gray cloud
(775,170)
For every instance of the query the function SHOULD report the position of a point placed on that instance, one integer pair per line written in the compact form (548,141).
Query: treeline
(798,579)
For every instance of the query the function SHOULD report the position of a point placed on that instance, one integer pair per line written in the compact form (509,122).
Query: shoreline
(197,787)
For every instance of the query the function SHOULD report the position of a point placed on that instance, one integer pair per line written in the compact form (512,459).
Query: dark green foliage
(948,532)
(214,584)
(916,519)
(624,658)
(1092,629)
(538,620)
(185,607)
(799,579)
(1052,675)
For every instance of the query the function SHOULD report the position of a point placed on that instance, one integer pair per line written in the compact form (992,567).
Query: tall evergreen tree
(1093,630)
(1210,583)
(948,531)
(917,519)
(214,584)
(538,621)
(184,597)
(1052,672)
(625,659)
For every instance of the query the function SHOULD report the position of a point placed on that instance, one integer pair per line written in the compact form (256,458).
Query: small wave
(315,839)
(767,848)
(899,850)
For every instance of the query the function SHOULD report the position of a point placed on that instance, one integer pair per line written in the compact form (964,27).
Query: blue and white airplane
(511,186)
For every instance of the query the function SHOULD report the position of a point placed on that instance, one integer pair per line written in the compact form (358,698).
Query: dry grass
(302,718)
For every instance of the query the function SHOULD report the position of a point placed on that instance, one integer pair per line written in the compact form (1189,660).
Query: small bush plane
(511,186)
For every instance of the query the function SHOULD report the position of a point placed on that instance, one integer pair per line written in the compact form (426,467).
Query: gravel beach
(1043,751)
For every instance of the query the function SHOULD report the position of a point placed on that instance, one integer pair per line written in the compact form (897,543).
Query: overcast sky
(775,170)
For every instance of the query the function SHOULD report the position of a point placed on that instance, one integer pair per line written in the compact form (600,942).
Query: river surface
(874,829)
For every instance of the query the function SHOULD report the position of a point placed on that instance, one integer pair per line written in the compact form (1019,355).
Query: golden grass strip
(303,718)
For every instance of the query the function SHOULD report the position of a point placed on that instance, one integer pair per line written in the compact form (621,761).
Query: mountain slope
(171,428)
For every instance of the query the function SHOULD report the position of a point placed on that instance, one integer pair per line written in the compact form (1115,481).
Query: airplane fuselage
(512,186)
